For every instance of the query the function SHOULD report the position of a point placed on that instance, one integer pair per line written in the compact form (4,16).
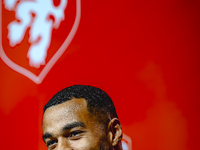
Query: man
(81,118)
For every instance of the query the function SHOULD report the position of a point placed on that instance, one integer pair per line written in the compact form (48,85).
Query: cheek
(81,144)
(86,144)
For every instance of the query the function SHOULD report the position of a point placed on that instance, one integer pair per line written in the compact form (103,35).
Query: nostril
(56,2)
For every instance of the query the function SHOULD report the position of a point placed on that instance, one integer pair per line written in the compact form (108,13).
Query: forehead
(74,110)
(70,106)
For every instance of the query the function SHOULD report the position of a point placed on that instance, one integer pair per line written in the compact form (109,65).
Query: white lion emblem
(41,25)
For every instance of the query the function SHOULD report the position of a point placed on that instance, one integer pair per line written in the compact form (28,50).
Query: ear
(114,132)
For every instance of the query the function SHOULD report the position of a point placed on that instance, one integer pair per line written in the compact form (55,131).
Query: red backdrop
(144,54)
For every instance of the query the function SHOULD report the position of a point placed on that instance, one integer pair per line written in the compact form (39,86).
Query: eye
(75,134)
(51,142)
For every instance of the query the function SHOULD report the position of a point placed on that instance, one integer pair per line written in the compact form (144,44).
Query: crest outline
(38,79)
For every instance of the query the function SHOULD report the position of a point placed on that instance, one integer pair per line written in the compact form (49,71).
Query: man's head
(81,118)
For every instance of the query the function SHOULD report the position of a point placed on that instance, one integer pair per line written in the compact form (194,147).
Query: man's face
(69,126)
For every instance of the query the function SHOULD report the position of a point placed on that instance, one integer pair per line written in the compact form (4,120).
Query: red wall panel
(144,54)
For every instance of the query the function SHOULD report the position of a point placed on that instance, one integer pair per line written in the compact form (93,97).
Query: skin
(69,126)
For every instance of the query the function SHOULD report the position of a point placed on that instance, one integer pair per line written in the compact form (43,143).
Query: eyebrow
(73,125)
(66,127)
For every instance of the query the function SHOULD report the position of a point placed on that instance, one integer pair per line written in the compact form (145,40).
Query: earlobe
(114,132)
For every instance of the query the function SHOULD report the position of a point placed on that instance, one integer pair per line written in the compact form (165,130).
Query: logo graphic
(28,28)
(126,142)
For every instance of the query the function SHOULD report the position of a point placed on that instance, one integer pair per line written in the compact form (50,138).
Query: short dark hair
(98,101)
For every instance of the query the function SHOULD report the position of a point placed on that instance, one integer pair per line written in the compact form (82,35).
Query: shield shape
(126,142)
(35,34)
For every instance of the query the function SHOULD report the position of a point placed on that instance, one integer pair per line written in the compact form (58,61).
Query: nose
(63,144)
